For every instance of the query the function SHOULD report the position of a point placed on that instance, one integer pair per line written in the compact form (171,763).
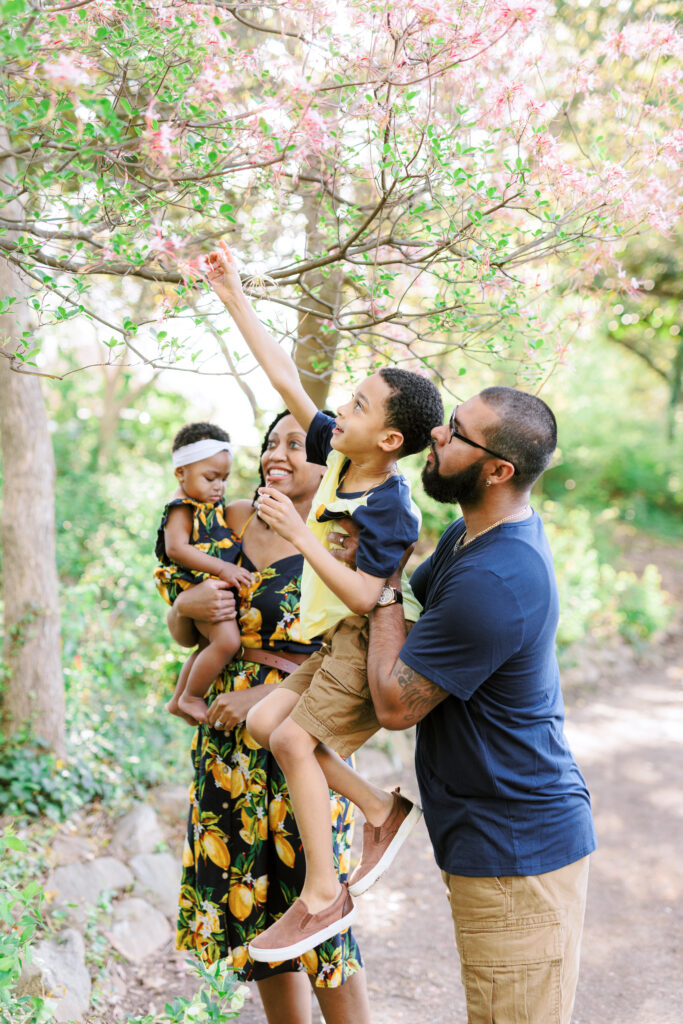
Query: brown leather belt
(284,663)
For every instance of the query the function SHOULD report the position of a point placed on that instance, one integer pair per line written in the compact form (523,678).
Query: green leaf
(12,8)
(14,844)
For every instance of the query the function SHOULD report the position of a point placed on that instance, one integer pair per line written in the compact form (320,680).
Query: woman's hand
(208,601)
(278,512)
(222,273)
(231,708)
(347,541)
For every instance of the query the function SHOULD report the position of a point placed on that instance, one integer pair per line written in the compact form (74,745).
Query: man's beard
(463,488)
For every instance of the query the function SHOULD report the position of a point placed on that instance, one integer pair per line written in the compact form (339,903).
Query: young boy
(323,711)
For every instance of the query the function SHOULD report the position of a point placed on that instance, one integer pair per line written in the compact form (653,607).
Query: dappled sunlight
(656,719)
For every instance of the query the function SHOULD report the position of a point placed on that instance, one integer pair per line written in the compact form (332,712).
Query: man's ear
(391,441)
(501,474)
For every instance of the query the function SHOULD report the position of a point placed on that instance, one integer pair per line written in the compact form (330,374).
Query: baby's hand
(235,575)
(222,273)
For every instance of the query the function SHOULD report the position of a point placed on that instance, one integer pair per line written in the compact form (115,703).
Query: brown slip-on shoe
(297,930)
(382,843)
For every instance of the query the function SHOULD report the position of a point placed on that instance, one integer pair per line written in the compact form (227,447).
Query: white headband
(199,450)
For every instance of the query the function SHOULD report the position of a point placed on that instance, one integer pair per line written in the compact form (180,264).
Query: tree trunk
(34,694)
(316,345)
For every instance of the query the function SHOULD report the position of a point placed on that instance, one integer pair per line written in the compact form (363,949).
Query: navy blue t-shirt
(501,792)
(389,521)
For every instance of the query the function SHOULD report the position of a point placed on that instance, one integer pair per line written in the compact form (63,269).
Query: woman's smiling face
(284,461)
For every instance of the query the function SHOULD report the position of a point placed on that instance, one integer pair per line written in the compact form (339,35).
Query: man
(506,807)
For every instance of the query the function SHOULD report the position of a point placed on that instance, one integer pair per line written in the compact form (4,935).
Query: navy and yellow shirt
(389,523)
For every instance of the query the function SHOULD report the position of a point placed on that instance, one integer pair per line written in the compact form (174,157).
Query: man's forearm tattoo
(418,695)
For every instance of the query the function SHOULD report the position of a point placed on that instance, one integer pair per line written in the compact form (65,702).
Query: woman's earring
(488,483)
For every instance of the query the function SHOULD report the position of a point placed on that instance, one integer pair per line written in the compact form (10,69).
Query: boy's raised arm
(279,366)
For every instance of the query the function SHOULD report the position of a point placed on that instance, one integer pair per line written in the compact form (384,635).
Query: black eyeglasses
(474,444)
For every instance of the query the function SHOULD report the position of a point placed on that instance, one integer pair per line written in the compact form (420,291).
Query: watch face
(386,596)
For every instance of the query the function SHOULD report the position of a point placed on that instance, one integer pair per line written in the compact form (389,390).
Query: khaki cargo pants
(519,941)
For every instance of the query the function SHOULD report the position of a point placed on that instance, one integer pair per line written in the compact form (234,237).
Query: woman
(243,864)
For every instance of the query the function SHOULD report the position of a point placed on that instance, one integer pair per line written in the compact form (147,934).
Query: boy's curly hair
(192,432)
(414,407)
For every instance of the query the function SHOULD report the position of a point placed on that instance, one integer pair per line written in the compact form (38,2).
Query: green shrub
(19,920)
(614,452)
(595,597)
(642,610)
(577,568)
(119,743)
(220,999)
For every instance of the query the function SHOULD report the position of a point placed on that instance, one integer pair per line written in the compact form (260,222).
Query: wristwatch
(389,595)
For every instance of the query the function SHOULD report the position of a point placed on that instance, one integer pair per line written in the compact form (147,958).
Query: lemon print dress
(243,864)
(210,534)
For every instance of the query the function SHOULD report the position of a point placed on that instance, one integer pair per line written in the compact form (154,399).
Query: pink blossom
(163,139)
(68,72)
(523,12)
(643,39)
(564,350)
(165,244)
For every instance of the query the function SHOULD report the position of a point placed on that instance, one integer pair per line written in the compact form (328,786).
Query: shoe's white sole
(406,827)
(271,956)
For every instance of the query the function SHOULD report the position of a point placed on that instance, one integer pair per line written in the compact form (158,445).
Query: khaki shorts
(519,940)
(335,706)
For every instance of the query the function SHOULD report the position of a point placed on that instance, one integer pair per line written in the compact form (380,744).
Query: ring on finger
(218,724)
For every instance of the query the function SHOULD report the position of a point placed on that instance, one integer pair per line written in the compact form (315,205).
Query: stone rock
(71,847)
(137,832)
(82,884)
(158,880)
(138,929)
(171,801)
(58,973)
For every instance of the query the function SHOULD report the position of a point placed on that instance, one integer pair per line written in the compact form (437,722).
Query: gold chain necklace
(462,543)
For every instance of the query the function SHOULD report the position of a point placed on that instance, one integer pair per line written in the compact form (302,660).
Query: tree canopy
(409,177)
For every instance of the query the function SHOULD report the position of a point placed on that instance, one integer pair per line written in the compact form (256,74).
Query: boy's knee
(285,742)
(258,726)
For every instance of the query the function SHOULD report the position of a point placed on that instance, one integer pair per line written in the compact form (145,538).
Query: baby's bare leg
(224,643)
(173,707)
